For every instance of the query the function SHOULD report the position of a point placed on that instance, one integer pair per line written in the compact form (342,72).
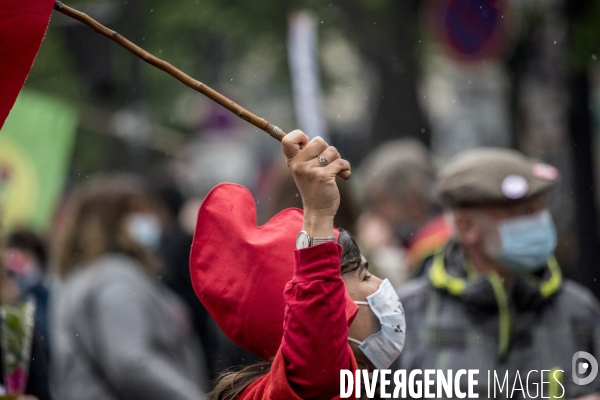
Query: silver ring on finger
(322,160)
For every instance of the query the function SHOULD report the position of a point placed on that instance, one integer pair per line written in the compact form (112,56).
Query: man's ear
(468,230)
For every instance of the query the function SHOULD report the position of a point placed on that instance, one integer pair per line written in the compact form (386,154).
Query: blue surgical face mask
(527,242)
(145,229)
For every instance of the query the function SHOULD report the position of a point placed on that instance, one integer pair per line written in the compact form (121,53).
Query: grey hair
(397,167)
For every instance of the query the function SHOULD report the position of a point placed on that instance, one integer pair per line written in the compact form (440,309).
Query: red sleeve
(315,336)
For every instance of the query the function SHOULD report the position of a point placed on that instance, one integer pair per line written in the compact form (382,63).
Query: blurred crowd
(104,302)
(490,252)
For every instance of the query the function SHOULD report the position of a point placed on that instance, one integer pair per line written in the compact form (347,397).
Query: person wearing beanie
(494,298)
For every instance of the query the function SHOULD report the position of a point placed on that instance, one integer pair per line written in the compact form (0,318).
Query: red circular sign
(470,30)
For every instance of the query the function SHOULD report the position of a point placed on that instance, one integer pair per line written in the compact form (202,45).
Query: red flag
(22,27)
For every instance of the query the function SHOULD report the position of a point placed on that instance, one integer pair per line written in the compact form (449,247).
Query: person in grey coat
(116,330)
(493,301)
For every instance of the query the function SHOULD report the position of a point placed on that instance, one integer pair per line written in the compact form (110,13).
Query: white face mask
(383,347)
(145,229)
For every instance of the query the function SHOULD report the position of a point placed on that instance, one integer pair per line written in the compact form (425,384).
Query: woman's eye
(367,277)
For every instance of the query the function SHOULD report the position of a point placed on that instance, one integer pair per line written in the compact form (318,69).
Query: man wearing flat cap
(493,299)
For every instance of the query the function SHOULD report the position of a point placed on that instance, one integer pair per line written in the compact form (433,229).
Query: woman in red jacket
(324,329)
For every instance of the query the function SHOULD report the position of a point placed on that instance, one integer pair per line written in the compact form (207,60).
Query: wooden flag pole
(187,80)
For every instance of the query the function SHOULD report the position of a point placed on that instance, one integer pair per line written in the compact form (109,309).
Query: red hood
(239,270)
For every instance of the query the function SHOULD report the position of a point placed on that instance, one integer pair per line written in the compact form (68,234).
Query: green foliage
(585,37)
(53,71)
(210,40)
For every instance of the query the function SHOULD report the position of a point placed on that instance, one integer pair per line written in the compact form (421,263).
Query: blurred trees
(211,40)
(239,47)
(387,33)
(584,46)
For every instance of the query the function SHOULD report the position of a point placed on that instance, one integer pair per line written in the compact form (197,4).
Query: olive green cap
(493,176)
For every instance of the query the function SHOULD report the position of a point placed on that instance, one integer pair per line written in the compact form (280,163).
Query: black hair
(26,240)
(350,252)
(171,197)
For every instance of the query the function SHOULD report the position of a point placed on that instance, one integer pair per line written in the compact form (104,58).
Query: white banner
(304,71)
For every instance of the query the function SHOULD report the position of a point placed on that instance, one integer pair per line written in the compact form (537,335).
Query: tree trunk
(387,38)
